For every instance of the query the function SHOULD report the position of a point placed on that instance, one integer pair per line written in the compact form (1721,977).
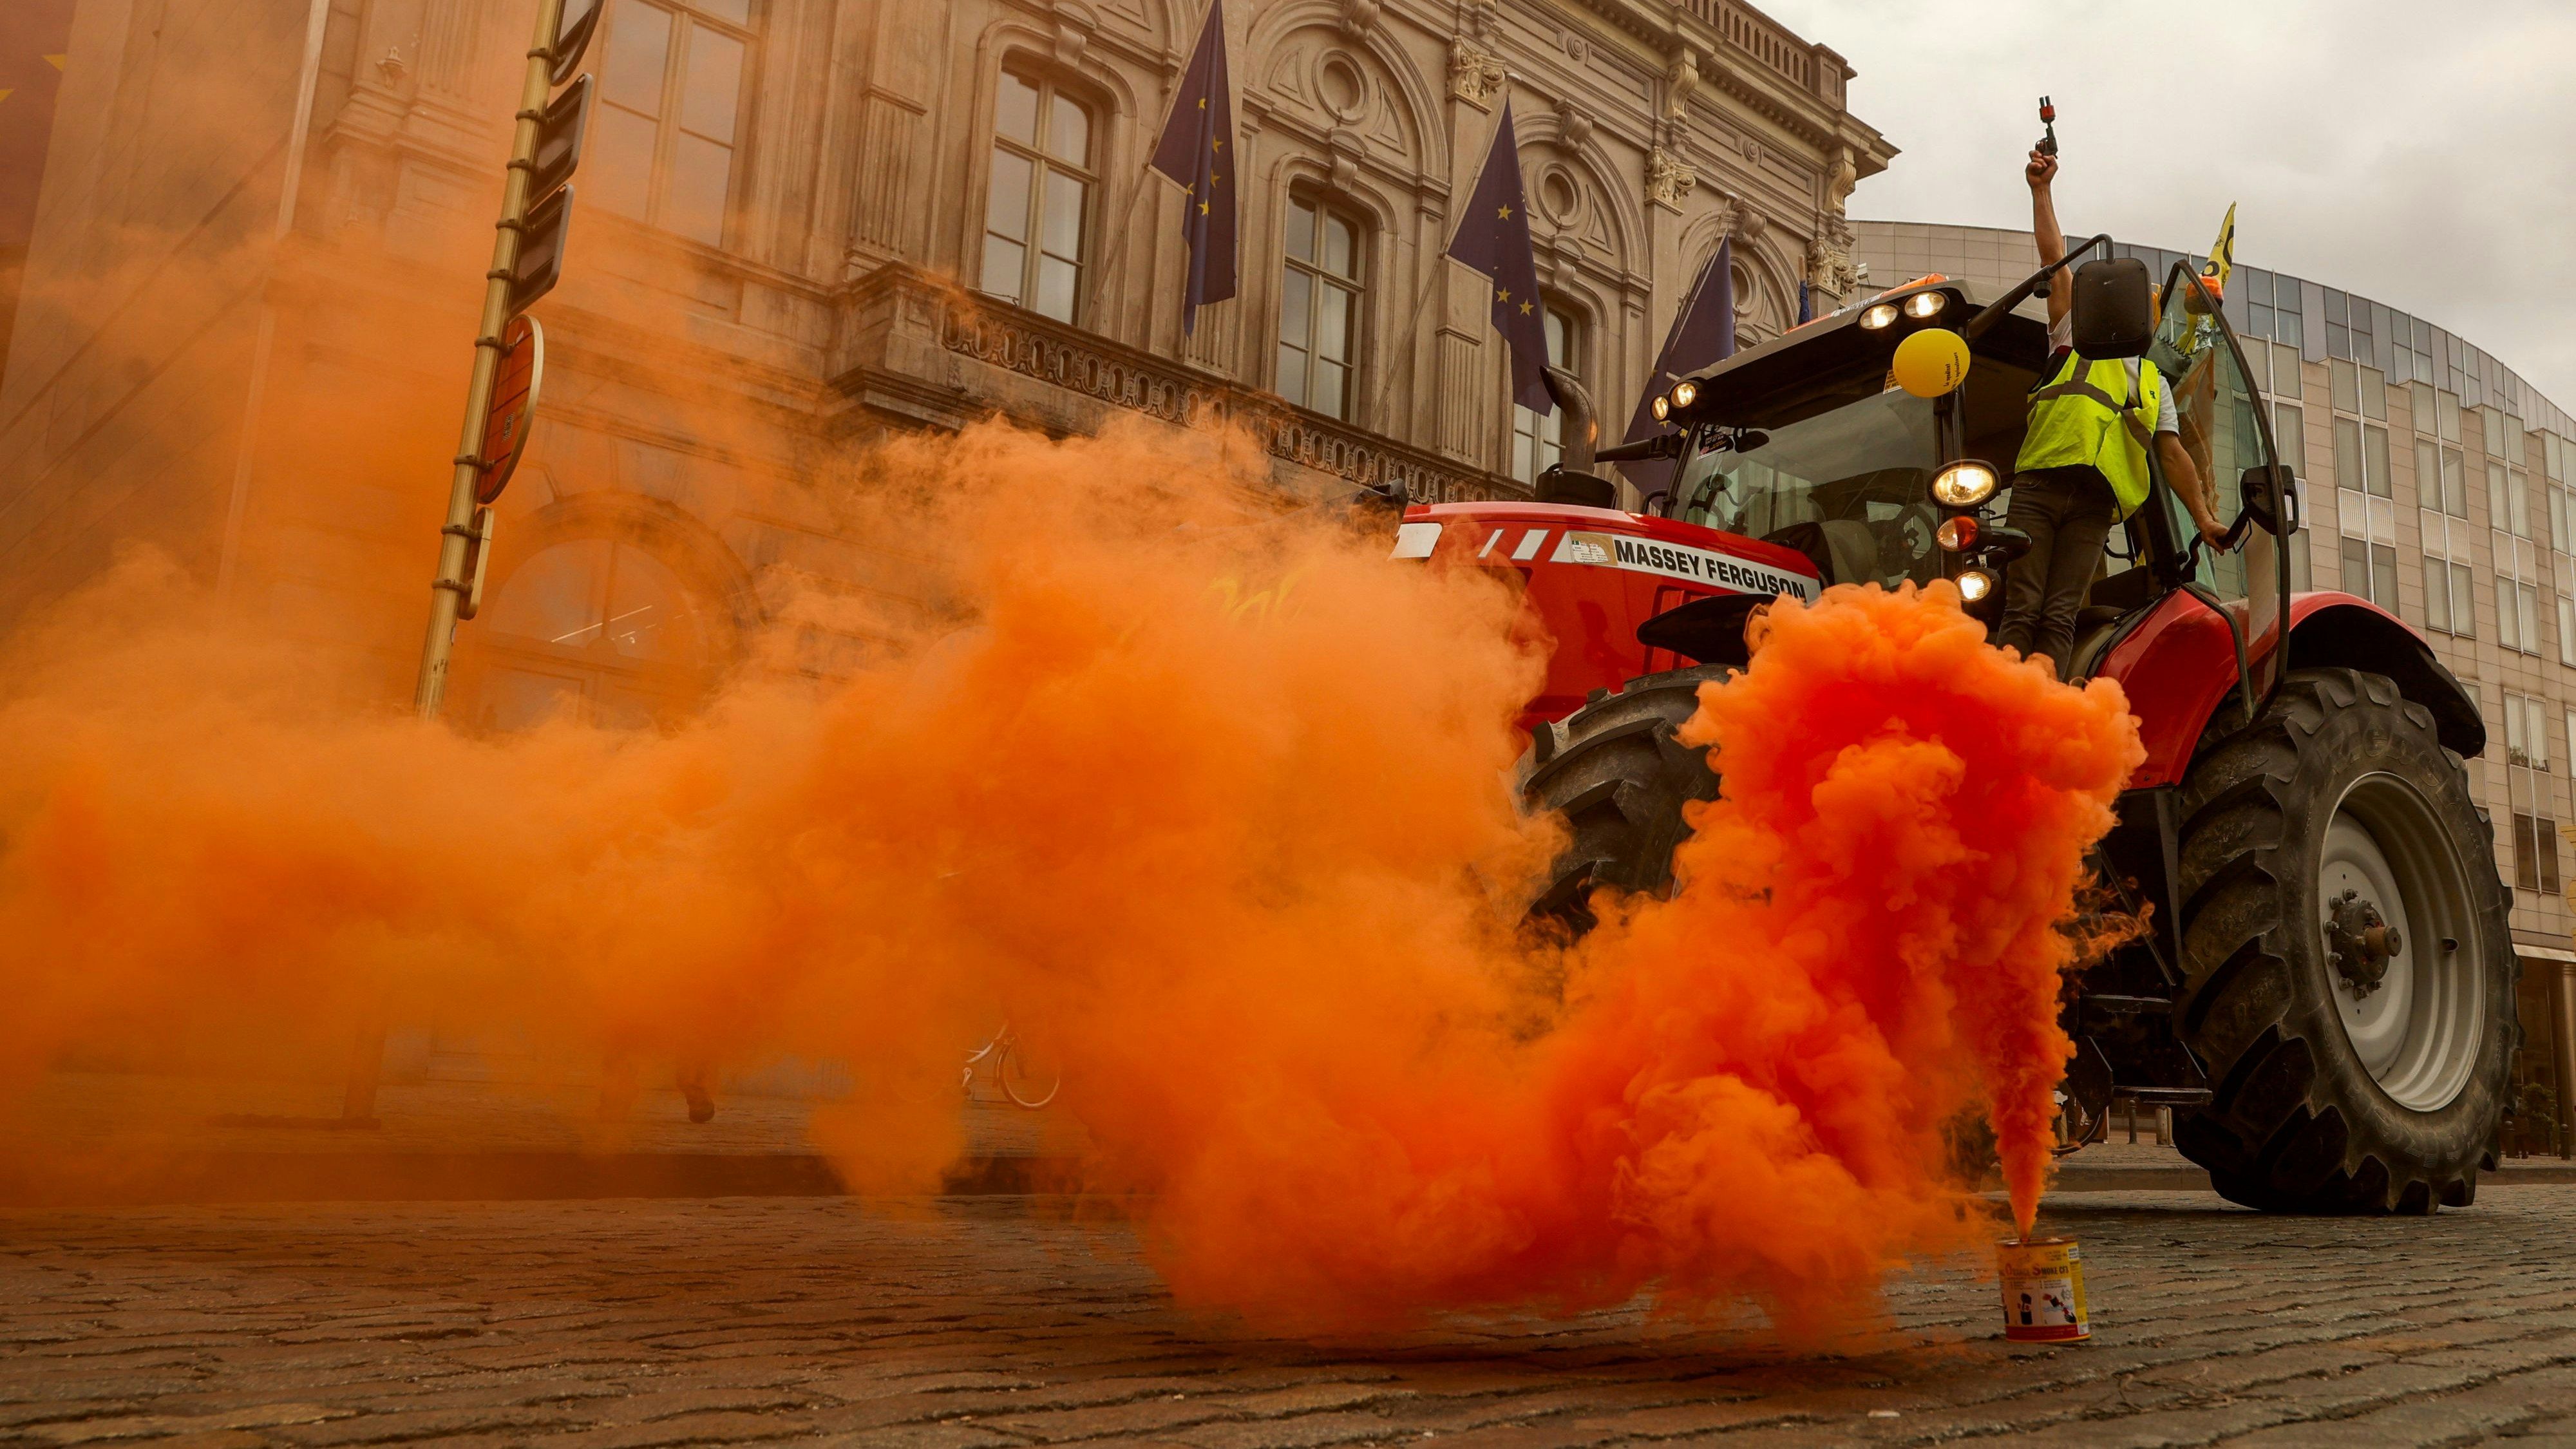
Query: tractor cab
(1809,442)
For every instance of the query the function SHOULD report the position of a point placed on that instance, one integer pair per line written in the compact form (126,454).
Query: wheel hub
(2400,931)
(2360,941)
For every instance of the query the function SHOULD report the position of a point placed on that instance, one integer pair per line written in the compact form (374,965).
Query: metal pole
(450,588)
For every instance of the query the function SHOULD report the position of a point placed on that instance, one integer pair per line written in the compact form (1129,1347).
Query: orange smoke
(1214,804)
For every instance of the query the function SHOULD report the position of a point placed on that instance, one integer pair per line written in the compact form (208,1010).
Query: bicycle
(1025,1085)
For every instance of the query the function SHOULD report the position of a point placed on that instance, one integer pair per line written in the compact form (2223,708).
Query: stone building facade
(801,224)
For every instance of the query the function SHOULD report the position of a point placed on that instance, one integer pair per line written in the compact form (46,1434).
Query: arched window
(594,629)
(1037,209)
(1319,307)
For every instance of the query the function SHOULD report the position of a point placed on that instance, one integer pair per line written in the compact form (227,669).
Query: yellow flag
(2222,254)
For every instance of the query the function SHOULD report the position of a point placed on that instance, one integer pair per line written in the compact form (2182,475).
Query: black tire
(1617,773)
(2300,1120)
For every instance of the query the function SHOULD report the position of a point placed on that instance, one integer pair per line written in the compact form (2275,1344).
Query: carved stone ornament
(1480,20)
(1359,17)
(1680,80)
(1573,123)
(1668,178)
(1072,38)
(1845,176)
(1829,257)
(1474,75)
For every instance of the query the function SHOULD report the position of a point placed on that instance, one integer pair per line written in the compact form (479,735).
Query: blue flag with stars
(1494,238)
(1703,333)
(1197,150)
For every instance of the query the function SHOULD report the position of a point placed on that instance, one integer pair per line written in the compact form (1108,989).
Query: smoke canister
(2043,1290)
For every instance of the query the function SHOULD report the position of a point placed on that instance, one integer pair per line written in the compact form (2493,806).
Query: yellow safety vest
(2085,420)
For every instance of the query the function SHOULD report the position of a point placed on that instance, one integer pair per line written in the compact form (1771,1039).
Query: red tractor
(2325,996)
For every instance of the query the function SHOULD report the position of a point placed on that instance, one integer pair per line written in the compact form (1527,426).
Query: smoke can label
(1721,571)
(2043,1286)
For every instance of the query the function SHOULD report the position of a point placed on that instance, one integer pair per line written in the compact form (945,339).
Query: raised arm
(2045,230)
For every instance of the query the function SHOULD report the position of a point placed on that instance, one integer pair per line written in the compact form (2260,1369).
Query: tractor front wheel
(2350,974)
(1620,776)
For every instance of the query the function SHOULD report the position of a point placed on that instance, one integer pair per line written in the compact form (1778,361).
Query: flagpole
(1117,244)
(1438,285)
(1127,226)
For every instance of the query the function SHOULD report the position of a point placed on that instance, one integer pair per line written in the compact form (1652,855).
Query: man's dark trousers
(2067,512)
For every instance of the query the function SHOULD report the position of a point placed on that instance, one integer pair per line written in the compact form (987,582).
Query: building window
(2517,594)
(2450,589)
(2365,492)
(1037,211)
(1538,443)
(2534,794)
(1319,308)
(664,135)
(2370,571)
(590,629)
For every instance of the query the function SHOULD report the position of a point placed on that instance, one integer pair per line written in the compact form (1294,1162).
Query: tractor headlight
(1964,484)
(1926,304)
(1975,584)
(1878,316)
(1662,407)
(1684,394)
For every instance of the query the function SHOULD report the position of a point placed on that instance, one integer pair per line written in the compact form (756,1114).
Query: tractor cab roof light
(1662,408)
(1878,316)
(1926,304)
(1684,394)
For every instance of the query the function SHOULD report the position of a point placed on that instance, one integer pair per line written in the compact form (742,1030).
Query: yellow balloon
(1932,362)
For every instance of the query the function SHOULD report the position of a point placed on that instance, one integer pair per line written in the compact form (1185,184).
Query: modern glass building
(2440,485)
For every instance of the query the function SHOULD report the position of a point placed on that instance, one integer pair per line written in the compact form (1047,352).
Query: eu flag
(34,34)
(1494,238)
(1197,150)
(1703,333)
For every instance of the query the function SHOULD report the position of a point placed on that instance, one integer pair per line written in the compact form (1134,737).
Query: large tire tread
(2280,1132)
(1618,772)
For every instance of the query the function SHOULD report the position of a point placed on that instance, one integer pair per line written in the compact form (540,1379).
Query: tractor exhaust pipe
(1582,429)
(1571,479)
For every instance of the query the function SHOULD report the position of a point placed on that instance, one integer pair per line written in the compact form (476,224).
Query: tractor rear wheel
(1619,775)
(2350,976)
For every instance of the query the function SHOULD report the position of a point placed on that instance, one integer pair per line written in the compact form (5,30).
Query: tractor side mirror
(2271,495)
(2003,545)
(2114,310)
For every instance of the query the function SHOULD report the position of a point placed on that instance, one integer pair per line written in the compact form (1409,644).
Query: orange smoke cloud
(1217,806)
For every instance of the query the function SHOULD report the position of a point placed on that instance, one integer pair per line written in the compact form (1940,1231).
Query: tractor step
(2164,1096)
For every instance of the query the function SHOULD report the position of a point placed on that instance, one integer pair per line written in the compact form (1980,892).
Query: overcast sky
(2420,153)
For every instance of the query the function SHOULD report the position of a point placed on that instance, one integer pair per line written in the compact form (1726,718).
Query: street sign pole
(451,587)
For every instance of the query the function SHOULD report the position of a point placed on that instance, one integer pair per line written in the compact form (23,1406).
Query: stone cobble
(1003,1323)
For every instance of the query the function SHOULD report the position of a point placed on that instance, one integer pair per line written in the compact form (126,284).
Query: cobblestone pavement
(987,1323)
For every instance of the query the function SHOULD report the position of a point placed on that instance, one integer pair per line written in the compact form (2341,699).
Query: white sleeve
(2167,421)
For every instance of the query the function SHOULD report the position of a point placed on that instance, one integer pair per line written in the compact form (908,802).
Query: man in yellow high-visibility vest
(2083,464)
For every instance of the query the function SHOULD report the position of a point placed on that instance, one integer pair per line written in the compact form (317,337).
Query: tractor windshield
(1849,488)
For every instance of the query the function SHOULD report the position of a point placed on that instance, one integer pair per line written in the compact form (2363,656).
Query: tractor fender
(2177,664)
